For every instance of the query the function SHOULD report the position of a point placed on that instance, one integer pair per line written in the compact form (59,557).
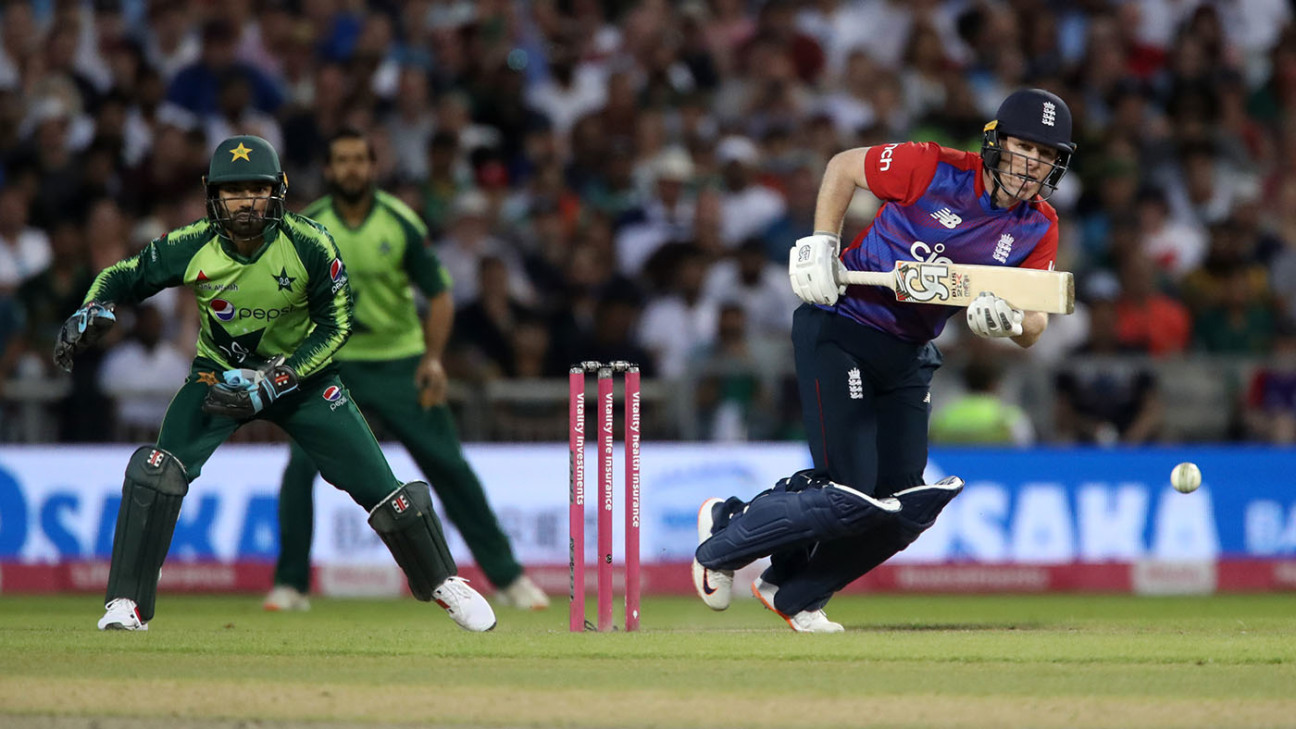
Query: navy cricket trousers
(866,404)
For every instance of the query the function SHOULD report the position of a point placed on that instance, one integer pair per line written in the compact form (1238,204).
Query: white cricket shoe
(466,606)
(806,621)
(522,594)
(286,599)
(715,587)
(122,614)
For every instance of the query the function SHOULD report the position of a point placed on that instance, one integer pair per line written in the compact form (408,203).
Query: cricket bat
(956,284)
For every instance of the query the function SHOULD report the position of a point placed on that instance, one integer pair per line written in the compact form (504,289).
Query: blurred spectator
(1175,246)
(1231,253)
(444,183)
(981,416)
(235,114)
(141,374)
(759,286)
(48,296)
(802,191)
(735,380)
(410,126)
(469,241)
(666,216)
(197,87)
(484,328)
(1269,412)
(1238,322)
(676,324)
(572,90)
(1146,320)
(1101,396)
(24,250)
(748,208)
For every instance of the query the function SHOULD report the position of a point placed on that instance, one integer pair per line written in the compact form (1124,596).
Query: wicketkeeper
(275,304)
(864,362)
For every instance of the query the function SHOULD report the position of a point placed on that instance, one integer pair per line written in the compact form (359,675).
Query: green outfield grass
(1056,661)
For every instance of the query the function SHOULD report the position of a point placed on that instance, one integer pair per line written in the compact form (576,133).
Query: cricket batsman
(275,306)
(864,362)
(392,365)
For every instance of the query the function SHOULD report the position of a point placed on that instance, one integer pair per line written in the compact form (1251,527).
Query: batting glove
(991,317)
(813,267)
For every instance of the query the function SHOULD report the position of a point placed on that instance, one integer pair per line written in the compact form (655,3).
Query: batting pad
(409,526)
(780,518)
(155,485)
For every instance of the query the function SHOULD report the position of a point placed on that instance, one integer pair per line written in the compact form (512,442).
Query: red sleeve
(901,172)
(1045,253)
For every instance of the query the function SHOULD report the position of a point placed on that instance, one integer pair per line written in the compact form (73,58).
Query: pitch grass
(1040,661)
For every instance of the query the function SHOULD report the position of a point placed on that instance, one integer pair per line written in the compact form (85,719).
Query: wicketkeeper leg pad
(786,517)
(410,528)
(155,485)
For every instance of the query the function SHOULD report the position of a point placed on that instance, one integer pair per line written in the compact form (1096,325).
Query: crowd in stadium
(622,180)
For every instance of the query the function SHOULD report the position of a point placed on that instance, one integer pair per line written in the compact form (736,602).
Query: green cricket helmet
(245,158)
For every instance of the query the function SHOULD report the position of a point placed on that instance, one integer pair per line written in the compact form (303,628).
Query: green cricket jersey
(384,255)
(291,297)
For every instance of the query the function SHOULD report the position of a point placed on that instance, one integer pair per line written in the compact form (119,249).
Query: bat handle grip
(869,278)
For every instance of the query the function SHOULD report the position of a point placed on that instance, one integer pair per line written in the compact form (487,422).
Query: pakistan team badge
(283,279)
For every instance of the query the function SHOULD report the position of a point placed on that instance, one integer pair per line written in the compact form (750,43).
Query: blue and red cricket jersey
(936,209)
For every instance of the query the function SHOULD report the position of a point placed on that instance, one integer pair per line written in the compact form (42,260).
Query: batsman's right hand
(813,267)
(80,332)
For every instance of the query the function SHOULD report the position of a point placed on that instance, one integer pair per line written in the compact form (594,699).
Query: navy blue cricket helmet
(1035,115)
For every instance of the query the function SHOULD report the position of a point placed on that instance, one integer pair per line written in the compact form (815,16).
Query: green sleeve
(161,264)
(424,269)
(421,263)
(329,300)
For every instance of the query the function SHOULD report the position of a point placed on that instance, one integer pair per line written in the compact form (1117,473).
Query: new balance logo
(1004,248)
(1050,113)
(947,218)
(854,385)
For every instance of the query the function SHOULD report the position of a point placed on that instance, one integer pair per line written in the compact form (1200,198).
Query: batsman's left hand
(430,377)
(991,317)
(246,392)
(81,331)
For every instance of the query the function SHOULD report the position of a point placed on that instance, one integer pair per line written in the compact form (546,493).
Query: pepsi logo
(335,269)
(332,393)
(223,309)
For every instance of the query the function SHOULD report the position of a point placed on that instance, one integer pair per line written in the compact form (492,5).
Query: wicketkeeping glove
(813,267)
(81,331)
(992,317)
(246,392)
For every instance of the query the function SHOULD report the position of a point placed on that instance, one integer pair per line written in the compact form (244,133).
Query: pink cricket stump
(632,498)
(576,506)
(605,498)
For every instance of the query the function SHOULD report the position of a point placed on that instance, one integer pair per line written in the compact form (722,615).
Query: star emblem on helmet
(240,153)
(283,279)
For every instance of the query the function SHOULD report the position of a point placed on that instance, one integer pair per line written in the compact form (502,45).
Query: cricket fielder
(392,366)
(275,305)
(864,362)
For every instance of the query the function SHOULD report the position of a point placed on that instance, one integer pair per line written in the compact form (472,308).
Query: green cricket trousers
(386,390)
